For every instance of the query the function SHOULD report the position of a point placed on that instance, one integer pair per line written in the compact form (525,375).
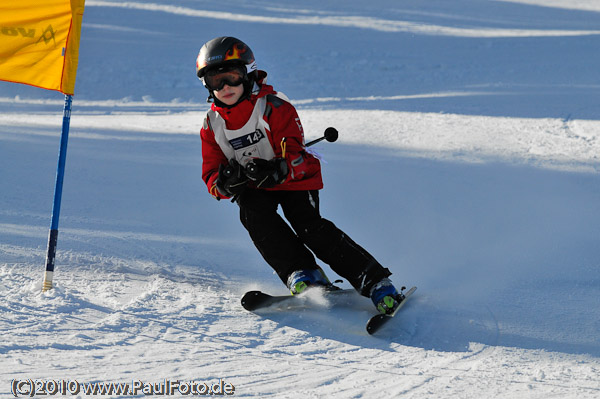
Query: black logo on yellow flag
(10,31)
(47,35)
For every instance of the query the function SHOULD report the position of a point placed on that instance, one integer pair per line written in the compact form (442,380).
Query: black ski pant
(286,249)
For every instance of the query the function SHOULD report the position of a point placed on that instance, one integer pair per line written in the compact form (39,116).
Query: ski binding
(378,321)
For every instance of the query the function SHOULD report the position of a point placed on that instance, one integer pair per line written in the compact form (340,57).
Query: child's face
(229,95)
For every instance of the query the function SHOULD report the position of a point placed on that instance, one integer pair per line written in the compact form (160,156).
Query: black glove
(266,174)
(231,180)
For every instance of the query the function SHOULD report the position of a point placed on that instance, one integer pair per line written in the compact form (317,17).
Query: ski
(378,321)
(254,300)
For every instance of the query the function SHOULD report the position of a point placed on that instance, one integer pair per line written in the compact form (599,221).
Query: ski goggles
(232,76)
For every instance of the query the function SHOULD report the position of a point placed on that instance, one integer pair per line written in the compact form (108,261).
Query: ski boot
(385,297)
(300,280)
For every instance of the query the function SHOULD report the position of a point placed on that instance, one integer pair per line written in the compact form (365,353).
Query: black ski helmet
(227,51)
(223,51)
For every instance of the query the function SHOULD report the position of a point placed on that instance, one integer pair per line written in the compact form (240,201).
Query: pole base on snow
(47,284)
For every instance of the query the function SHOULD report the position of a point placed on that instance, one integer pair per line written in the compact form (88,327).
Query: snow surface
(468,163)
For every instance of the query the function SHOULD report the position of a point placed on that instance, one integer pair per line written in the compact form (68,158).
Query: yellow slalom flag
(39,42)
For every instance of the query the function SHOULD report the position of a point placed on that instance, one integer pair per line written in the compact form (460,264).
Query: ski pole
(331,135)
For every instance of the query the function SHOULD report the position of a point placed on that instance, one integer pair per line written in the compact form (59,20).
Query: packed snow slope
(468,164)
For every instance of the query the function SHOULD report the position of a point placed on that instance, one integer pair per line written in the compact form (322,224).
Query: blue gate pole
(60,173)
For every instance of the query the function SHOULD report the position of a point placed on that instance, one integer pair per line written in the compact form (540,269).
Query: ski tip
(376,322)
(249,300)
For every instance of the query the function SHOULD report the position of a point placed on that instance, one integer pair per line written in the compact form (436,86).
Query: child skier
(253,150)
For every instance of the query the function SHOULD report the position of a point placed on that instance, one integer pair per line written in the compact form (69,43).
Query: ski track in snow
(467,163)
(557,143)
(361,22)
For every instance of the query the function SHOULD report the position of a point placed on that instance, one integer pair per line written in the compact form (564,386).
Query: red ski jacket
(282,118)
